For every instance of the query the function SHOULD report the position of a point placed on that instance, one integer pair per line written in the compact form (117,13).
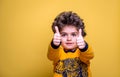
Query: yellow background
(25,33)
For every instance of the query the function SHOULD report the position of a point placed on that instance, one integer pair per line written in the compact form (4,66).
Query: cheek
(74,39)
(63,40)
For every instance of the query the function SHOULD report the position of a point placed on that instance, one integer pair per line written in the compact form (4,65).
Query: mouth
(69,44)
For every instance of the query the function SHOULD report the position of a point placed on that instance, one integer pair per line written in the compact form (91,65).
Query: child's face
(69,36)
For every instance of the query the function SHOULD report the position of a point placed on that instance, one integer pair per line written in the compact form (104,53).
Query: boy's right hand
(57,37)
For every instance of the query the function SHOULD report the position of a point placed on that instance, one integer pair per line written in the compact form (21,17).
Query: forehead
(69,28)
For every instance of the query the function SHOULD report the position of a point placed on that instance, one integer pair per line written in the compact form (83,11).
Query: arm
(53,52)
(86,54)
(54,47)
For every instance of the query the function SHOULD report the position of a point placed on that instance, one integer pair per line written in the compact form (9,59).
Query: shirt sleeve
(87,55)
(53,53)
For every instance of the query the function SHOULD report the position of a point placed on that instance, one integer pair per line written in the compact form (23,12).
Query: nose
(69,38)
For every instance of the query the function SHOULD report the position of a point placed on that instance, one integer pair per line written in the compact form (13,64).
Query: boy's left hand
(80,40)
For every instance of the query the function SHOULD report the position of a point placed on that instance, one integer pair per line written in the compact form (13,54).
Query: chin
(69,47)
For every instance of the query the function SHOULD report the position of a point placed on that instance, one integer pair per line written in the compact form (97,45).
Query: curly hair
(68,19)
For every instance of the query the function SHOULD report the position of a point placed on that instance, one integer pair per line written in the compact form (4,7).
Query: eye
(74,34)
(63,34)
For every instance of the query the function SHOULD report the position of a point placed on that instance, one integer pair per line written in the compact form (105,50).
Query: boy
(68,50)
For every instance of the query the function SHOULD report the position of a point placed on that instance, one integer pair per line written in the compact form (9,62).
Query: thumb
(57,30)
(80,32)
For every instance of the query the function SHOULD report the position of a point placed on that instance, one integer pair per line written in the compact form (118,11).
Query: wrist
(54,46)
(85,47)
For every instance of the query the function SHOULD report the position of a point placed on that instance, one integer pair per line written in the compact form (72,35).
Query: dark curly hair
(70,19)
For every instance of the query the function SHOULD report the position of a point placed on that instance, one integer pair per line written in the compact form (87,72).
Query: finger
(57,38)
(80,32)
(57,30)
(56,42)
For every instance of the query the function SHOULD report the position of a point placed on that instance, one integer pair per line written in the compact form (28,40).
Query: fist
(80,40)
(57,37)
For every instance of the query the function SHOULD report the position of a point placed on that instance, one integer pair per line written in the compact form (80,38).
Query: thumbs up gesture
(57,37)
(80,40)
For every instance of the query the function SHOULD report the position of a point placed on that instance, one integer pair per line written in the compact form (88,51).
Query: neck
(69,50)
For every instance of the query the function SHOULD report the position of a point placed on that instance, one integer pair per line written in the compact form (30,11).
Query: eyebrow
(65,32)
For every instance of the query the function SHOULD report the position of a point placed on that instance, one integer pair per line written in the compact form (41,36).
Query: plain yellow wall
(25,33)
